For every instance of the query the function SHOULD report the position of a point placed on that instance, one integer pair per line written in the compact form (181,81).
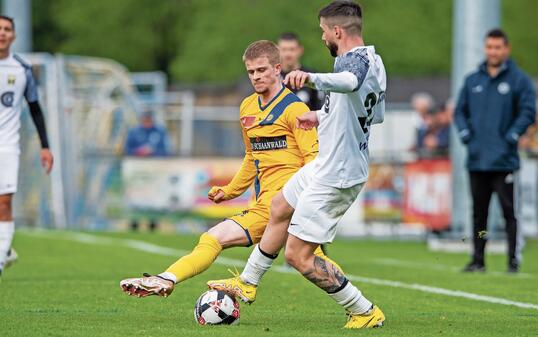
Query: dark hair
(289,36)
(7,18)
(345,13)
(497,33)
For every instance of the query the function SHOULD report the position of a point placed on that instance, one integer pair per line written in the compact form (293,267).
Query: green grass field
(66,284)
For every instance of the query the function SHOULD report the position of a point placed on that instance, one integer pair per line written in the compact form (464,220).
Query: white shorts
(318,208)
(9,172)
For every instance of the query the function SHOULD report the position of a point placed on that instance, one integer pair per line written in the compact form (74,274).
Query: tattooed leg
(325,275)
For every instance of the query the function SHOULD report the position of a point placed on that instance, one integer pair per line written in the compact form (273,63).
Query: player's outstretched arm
(343,82)
(241,180)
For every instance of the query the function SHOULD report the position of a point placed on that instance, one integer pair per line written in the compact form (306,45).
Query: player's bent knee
(280,209)
(229,234)
(291,257)
(294,259)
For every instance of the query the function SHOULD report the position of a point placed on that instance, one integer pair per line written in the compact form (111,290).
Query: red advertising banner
(428,193)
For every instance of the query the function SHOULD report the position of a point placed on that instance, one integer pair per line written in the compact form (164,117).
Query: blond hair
(262,48)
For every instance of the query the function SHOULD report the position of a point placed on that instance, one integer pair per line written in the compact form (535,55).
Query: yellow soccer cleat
(147,286)
(373,319)
(235,286)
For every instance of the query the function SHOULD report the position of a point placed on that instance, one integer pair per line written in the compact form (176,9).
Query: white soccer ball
(216,307)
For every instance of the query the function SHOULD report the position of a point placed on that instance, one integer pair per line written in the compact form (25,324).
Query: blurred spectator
(496,106)
(433,136)
(423,104)
(291,52)
(147,139)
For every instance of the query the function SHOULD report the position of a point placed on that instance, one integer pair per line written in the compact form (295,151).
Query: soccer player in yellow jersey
(275,148)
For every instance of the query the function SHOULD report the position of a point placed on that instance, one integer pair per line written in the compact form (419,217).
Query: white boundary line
(160,250)
(441,267)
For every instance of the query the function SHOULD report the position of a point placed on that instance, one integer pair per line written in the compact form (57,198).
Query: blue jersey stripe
(257,179)
(279,108)
(271,101)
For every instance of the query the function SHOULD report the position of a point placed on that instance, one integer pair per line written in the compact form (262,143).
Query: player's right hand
(296,79)
(47,160)
(216,194)
(308,120)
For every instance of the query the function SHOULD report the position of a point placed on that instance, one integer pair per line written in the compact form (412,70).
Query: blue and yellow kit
(274,150)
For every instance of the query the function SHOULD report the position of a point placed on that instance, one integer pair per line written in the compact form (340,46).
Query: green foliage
(203,40)
(142,34)
(518,19)
(399,29)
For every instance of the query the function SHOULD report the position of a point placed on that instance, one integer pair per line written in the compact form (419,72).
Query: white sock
(169,276)
(351,299)
(7,229)
(257,265)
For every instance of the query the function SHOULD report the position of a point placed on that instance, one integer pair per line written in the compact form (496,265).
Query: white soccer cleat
(12,257)
(147,286)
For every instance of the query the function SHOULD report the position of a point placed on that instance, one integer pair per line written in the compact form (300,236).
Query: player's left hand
(308,120)
(296,79)
(47,160)
(216,194)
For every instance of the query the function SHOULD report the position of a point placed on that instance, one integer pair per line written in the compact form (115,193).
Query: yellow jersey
(274,147)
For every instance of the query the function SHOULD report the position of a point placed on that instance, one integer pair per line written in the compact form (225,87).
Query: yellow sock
(319,252)
(201,257)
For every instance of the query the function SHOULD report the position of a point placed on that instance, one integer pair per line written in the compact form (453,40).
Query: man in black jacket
(496,105)
(291,52)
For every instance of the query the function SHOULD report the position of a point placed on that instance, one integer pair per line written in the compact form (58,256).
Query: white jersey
(16,82)
(355,99)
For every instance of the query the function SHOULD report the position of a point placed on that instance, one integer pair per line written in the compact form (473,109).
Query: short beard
(261,92)
(333,48)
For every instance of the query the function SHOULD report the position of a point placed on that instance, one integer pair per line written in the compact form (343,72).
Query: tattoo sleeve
(325,275)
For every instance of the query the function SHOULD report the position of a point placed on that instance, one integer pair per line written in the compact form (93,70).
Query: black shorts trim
(250,242)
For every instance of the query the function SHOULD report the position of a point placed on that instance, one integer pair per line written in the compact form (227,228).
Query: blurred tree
(141,34)
(518,19)
(203,40)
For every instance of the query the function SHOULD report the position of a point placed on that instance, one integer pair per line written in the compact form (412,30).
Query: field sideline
(66,284)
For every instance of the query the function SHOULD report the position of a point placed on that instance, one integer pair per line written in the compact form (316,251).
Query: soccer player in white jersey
(16,82)
(306,212)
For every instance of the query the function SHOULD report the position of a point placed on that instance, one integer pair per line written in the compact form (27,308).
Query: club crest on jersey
(268,143)
(503,88)
(7,99)
(248,121)
(11,79)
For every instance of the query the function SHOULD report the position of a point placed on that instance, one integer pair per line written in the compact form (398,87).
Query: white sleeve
(318,114)
(343,82)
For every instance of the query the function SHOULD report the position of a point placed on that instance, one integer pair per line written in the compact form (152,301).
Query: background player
(16,82)
(320,193)
(275,148)
(291,52)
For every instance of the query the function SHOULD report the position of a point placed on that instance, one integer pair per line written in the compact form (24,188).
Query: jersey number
(369,103)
